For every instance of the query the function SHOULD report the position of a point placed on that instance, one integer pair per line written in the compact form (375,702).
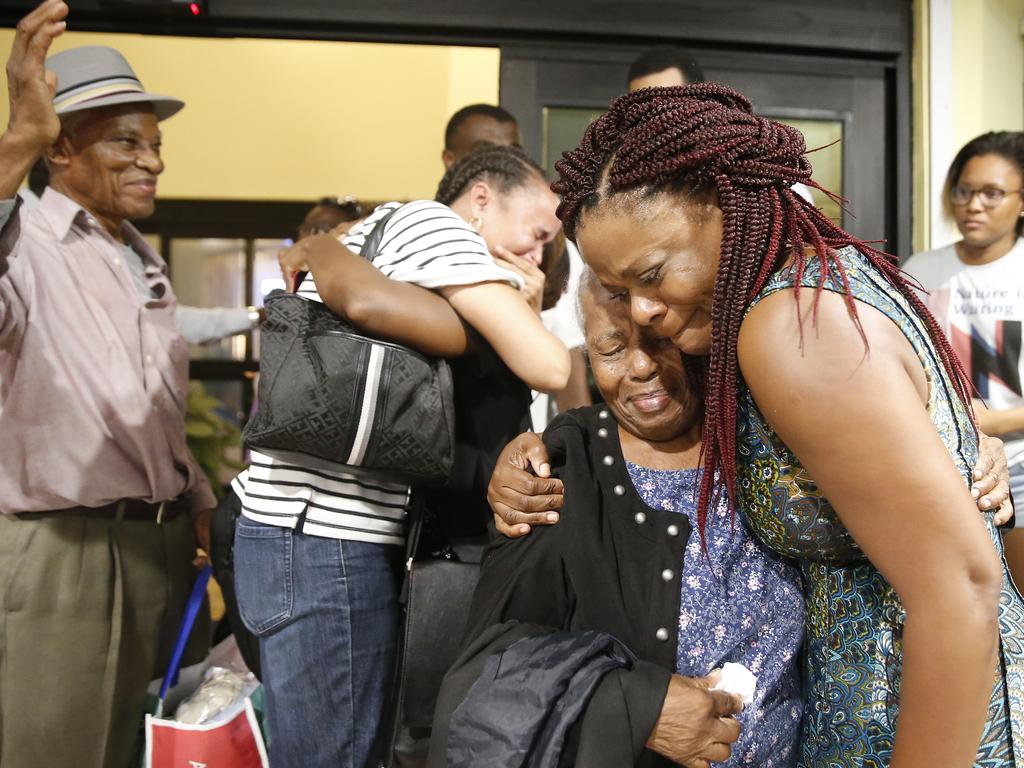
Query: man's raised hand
(31,87)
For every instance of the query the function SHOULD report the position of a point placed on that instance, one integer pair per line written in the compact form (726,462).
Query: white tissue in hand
(739,680)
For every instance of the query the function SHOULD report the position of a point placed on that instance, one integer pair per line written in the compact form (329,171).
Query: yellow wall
(987,87)
(988,67)
(921,140)
(293,120)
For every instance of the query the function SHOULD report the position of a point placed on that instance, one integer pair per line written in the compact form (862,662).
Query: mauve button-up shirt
(92,377)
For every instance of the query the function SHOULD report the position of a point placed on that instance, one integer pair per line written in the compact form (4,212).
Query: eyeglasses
(990,197)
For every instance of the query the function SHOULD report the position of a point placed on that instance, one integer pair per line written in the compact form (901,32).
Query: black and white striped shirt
(425,243)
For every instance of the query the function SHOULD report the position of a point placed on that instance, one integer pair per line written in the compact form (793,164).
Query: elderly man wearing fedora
(100,501)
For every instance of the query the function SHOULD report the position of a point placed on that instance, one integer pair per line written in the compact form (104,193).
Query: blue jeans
(326,615)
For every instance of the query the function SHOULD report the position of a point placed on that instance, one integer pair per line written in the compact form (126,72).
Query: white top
(981,310)
(425,243)
(563,321)
(563,318)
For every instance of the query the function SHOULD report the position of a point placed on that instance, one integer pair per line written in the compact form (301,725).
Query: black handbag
(332,398)
(437,595)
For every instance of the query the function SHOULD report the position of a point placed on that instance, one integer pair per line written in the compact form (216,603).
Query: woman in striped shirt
(316,550)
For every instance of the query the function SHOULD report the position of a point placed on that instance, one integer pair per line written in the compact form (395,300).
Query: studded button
(673,530)
(603,415)
(602,432)
(667,575)
(640,518)
(619,490)
(661,634)
(608,461)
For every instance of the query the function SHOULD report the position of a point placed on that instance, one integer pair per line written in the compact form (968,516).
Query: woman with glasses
(976,285)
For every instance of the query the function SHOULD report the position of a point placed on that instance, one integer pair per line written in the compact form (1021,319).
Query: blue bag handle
(195,602)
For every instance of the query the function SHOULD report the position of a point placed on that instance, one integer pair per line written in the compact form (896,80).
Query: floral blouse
(739,603)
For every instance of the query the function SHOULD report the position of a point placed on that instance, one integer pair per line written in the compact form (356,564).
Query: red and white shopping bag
(236,743)
(230,741)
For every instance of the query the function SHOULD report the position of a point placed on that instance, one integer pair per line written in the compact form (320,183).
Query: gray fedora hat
(96,76)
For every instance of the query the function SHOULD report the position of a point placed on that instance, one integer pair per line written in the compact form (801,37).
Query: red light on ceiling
(194,7)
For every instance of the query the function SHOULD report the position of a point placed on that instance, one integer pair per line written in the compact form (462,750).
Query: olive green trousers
(88,612)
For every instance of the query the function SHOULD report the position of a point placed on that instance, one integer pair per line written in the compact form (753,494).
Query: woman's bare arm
(850,416)
(384,308)
(999,422)
(500,314)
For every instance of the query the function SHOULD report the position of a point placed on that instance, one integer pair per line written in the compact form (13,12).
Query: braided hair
(706,137)
(505,167)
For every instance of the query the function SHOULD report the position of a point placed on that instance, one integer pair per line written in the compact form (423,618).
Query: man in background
(474,125)
(663,66)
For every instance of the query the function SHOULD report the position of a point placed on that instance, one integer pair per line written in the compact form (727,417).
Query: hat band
(96,92)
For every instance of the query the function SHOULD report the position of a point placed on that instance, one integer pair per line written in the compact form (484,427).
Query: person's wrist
(25,139)
(316,247)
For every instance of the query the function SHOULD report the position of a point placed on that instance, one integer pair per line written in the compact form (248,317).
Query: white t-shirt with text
(981,310)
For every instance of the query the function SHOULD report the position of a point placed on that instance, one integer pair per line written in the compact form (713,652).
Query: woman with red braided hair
(824,370)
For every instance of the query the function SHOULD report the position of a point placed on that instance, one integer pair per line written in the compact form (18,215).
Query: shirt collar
(150,258)
(61,212)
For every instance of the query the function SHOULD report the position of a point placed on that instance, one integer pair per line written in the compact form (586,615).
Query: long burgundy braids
(706,136)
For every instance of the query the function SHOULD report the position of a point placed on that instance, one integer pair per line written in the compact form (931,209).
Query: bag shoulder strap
(371,245)
(417,515)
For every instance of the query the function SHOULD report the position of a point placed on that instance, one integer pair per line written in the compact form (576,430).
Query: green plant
(209,435)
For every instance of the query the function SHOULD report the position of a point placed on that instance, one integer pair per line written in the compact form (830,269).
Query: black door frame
(862,28)
(879,31)
(886,200)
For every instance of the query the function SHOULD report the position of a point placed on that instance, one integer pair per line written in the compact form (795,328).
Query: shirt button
(661,634)
(117,262)
(603,415)
(673,530)
(619,490)
(608,461)
(602,432)
(640,518)
(667,575)
(149,359)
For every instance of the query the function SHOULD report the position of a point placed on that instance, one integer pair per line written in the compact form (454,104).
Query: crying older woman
(624,565)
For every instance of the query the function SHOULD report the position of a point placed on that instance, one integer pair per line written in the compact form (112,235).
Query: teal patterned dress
(854,618)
